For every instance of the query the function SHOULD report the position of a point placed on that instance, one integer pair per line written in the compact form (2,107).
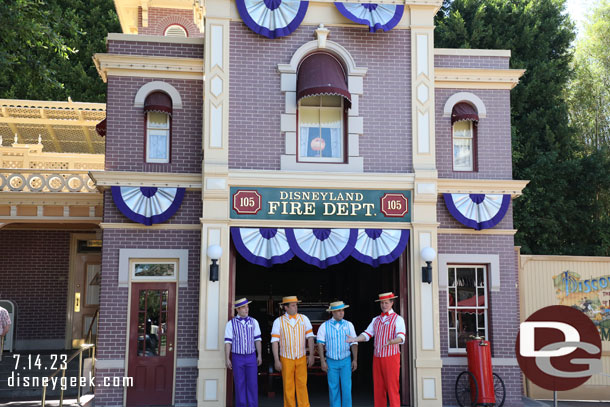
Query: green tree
(49,46)
(589,92)
(539,34)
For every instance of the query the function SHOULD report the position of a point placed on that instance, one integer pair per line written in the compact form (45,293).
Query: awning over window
(100,128)
(158,102)
(464,111)
(319,247)
(322,74)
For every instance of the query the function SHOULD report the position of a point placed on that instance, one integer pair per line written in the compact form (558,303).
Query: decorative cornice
(148,66)
(504,53)
(164,226)
(106,179)
(315,179)
(463,78)
(453,231)
(51,198)
(154,38)
(477,186)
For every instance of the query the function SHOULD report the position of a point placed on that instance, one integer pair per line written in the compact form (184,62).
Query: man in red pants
(389,331)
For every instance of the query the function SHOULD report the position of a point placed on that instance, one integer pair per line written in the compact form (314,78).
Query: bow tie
(292,316)
(385,314)
(242,319)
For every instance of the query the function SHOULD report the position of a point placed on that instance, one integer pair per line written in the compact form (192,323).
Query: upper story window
(323,99)
(467,305)
(464,121)
(158,109)
(175,30)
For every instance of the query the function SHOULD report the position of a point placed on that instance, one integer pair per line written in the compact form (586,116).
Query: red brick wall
(256,102)
(503,317)
(161,18)
(160,49)
(493,141)
(126,134)
(34,269)
(457,61)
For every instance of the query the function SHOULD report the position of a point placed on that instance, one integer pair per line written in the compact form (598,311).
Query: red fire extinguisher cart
(479,386)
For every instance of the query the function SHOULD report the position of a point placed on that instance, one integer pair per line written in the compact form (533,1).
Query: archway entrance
(356,283)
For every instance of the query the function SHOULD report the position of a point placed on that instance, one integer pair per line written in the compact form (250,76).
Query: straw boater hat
(386,296)
(336,306)
(241,302)
(288,300)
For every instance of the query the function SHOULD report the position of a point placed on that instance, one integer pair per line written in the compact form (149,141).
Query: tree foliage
(47,47)
(539,34)
(589,92)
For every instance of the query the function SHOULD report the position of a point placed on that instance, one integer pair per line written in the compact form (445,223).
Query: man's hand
(278,366)
(259,360)
(354,365)
(324,365)
(310,360)
(351,339)
(229,364)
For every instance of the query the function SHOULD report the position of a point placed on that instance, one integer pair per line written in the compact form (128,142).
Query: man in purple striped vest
(243,354)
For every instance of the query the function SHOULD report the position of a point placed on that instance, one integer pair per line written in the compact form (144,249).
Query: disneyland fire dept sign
(320,204)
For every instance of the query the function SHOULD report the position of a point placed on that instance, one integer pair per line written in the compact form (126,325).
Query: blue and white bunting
(374,15)
(380,246)
(272,18)
(262,246)
(148,205)
(478,211)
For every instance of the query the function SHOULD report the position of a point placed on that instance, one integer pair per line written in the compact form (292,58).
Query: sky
(577,10)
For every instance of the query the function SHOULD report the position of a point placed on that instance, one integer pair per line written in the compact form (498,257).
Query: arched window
(175,30)
(464,120)
(322,100)
(158,110)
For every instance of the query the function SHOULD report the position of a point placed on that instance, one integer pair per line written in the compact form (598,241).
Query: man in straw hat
(336,360)
(389,332)
(288,337)
(242,336)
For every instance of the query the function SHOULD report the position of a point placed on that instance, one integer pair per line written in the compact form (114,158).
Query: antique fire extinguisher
(479,364)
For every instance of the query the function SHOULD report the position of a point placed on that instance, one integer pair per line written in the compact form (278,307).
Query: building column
(214,296)
(424,306)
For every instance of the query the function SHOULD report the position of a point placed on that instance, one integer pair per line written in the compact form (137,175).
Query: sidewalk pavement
(527,402)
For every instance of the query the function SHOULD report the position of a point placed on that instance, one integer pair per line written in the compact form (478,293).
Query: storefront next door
(151,344)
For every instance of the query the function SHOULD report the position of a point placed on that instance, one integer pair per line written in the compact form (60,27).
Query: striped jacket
(241,333)
(384,328)
(333,334)
(291,332)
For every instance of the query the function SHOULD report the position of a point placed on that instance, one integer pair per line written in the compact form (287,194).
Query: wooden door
(85,295)
(151,344)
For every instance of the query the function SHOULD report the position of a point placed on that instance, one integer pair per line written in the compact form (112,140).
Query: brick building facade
(234,117)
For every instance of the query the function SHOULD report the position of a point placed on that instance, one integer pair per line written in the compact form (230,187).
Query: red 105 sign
(394,205)
(247,202)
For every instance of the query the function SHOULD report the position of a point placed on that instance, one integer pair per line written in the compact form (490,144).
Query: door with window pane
(151,344)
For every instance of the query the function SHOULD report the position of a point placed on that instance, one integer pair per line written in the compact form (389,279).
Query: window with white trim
(154,269)
(157,137)
(463,146)
(467,305)
(321,129)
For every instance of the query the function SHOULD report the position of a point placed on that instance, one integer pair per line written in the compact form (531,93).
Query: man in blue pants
(336,360)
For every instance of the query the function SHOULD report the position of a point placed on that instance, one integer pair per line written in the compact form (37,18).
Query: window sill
(289,163)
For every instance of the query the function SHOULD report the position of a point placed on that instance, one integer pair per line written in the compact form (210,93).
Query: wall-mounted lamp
(214,253)
(428,255)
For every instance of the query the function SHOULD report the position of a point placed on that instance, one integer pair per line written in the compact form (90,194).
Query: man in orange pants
(389,331)
(288,336)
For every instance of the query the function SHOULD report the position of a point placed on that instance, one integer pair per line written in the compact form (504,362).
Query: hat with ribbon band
(288,300)
(336,306)
(386,296)
(241,302)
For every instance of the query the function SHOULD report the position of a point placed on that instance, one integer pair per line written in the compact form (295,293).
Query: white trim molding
(125,255)
(155,86)
(493,260)
(467,97)
(288,81)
